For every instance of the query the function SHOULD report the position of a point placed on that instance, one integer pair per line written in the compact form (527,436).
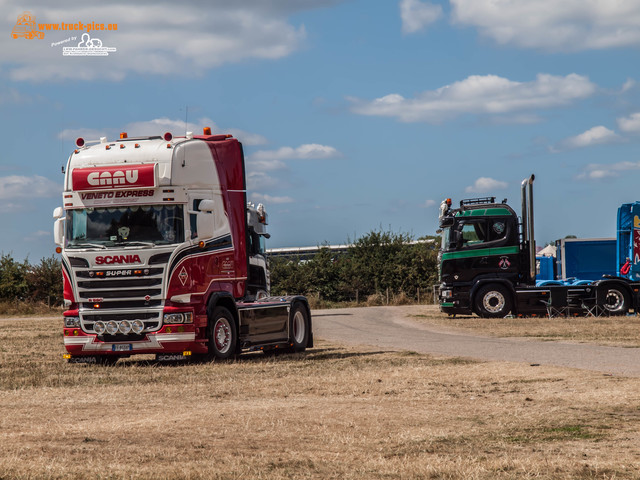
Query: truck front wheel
(223,336)
(493,301)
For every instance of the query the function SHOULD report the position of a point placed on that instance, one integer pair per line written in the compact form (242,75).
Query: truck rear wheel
(299,327)
(616,301)
(223,336)
(493,301)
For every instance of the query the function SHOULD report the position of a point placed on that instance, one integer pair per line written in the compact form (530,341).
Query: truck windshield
(130,225)
(445,238)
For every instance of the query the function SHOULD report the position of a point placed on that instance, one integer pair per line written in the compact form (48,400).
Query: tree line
(375,264)
(22,281)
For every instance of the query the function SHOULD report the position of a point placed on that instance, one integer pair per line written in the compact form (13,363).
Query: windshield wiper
(81,245)
(137,243)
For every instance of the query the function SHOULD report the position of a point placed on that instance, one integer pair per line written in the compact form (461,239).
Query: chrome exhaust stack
(527,223)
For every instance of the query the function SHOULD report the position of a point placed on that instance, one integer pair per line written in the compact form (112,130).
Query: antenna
(186,119)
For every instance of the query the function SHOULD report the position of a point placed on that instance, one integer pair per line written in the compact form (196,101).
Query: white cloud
(417,15)
(39,236)
(594,136)
(480,95)
(261,165)
(630,124)
(628,85)
(429,203)
(569,25)
(303,152)
(485,185)
(11,95)
(86,133)
(17,186)
(598,171)
(270,199)
(158,38)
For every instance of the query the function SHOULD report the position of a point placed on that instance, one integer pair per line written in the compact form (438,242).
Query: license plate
(122,347)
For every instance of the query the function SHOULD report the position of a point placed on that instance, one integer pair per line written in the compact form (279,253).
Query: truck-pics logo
(133,176)
(88,47)
(26,27)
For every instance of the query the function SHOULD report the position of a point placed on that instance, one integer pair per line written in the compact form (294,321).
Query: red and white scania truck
(162,254)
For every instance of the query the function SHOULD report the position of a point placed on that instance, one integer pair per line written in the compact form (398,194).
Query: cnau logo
(109,259)
(116,178)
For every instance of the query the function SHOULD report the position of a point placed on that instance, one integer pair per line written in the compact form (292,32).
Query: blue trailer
(585,258)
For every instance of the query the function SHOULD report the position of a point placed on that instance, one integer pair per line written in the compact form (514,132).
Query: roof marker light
(206,131)
(123,135)
(122,145)
(79,142)
(137,145)
(107,147)
(168,136)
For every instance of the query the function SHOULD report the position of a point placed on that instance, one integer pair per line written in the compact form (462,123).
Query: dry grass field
(614,331)
(331,413)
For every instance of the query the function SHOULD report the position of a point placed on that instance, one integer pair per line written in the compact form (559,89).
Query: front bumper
(169,339)
(454,301)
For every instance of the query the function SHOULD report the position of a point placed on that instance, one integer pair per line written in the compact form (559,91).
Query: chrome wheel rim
(222,335)
(614,300)
(493,302)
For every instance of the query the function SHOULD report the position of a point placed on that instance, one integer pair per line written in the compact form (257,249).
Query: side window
(485,232)
(474,233)
(193,218)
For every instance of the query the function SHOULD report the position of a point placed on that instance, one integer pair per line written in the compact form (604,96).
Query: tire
(615,300)
(222,334)
(493,301)
(299,327)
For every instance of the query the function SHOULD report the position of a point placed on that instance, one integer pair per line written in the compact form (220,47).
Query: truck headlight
(186,317)
(112,327)
(137,326)
(173,318)
(72,322)
(125,326)
(99,327)
(446,293)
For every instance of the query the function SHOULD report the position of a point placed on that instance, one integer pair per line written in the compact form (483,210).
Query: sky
(354,115)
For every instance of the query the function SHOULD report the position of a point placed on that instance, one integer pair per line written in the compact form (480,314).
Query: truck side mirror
(58,231)
(207,205)
(58,212)
(455,241)
(204,222)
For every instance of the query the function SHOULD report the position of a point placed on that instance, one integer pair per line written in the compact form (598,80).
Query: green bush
(23,282)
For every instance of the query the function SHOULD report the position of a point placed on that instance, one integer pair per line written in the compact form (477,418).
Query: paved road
(392,328)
